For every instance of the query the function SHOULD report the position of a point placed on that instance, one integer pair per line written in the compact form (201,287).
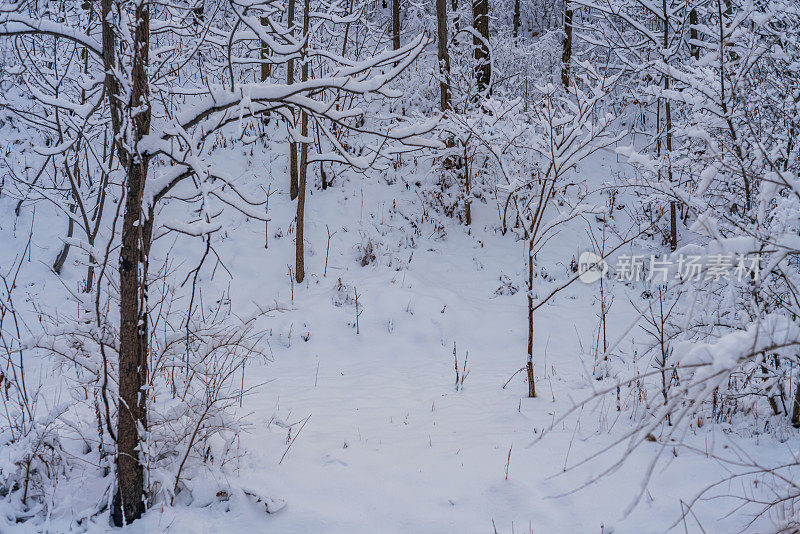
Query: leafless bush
(367,251)
(195,387)
(31,456)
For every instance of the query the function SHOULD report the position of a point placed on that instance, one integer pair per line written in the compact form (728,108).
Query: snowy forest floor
(388,444)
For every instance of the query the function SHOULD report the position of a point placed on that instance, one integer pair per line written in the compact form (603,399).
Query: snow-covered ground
(364,431)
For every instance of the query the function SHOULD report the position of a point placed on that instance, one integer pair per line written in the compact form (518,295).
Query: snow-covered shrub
(195,386)
(367,251)
(31,458)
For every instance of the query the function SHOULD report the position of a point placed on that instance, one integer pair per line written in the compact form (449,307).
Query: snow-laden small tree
(531,151)
(572,127)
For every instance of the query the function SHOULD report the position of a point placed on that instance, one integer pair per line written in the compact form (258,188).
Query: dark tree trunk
(346,29)
(300,268)
(566,56)
(516,18)
(264,55)
(129,499)
(395,24)
(265,66)
(467,190)
(129,503)
(529,363)
(110,81)
(444,56)
(673,208)
(483,66)
(292,144)
(694,48)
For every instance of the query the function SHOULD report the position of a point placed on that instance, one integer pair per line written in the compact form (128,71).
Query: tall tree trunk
(566,55)
(110,82)
(467,189)
(673,205)
(300,268)
(673,208)
(529,363)
(129,501)
(480,22)
(516,18)
(395,24)
(292,144)
(264,54)
(265,66)
(694,48)
(346,29)
(444,56)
